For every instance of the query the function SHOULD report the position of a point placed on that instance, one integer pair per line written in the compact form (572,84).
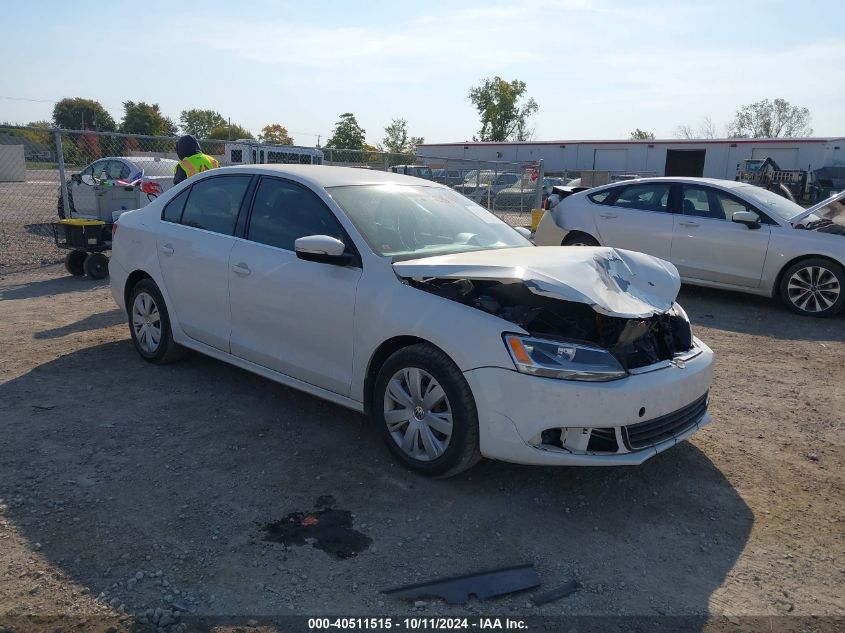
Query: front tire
(149,325)
(425,412)
(814,287)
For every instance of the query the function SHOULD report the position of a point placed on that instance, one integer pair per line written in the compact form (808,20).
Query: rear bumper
(514,409)
(548,233)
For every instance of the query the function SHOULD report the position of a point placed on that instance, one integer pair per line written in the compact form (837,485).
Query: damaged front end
(569,328)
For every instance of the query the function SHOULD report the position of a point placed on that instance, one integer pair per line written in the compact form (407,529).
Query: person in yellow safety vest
(191,159)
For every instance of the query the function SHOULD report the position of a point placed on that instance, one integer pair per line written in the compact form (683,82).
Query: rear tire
(96,266)
(149,325)
(814,287)
(425,412)
(75,263)
(579,239)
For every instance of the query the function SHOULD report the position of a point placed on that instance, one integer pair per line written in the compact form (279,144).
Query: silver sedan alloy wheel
(418,414)
(813,289)
(146,322)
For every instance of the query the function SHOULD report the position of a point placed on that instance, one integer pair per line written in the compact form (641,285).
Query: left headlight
(559,359)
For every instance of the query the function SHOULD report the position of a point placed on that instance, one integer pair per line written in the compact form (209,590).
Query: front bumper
(515,409)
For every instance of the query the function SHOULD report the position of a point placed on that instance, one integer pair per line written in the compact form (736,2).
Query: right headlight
(561,359)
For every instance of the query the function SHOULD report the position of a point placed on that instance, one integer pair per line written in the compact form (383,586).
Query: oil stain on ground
(327,528)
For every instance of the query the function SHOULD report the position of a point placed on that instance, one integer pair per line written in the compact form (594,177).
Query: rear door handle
(167,249)
(608,216)
(241,269)
(688,223)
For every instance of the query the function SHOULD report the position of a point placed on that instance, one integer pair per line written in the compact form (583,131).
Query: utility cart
(86,241)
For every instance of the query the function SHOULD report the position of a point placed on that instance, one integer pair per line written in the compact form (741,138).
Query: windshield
(773,204)
(410,221)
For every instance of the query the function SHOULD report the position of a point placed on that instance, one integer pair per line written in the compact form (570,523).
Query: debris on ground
(482,585)
(566,589)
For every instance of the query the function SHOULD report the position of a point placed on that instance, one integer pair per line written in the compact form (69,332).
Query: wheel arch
(380,355)
(793,261)
(576,232)
(131,281)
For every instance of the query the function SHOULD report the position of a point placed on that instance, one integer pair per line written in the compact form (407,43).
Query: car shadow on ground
(177,469)
(52,286)
(750,314)
(93,322)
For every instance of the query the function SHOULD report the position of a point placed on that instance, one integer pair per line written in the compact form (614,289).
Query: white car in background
(97,191)
(718,233)
(398,297)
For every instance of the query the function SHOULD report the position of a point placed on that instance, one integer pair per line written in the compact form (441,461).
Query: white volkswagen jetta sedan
(399,297)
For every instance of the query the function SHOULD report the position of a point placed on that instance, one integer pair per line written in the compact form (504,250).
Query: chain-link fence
(107,172)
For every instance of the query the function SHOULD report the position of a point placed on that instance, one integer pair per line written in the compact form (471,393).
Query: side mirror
(523,232)
(322,248)
(748,218)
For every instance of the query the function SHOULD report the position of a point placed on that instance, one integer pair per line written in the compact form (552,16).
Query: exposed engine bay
(634,342)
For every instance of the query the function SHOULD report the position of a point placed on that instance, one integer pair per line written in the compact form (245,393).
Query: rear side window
(213,203)
(173,209)
(601,196)
(645,197)
(283,212)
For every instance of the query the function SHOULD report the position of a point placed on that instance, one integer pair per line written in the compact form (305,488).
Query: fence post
(60,157)
(538,194)
(386,160)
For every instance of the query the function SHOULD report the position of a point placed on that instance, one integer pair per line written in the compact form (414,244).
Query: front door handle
(241,269)
(688,223)
(167,249)
(608,216)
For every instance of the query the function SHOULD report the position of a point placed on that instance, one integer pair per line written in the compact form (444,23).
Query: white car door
(708,246)
(83,189)
(636,217)
(194,240)
(288,314)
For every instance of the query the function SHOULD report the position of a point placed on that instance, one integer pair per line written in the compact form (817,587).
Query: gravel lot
(126,488)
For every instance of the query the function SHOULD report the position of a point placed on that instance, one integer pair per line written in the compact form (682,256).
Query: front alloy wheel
(814,287)
(425,411)
(417,414)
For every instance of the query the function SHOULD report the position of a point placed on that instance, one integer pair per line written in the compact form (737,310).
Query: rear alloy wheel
(426,413)
(96,266)
(75,263)
(149,324)
(579,239)
(814,287)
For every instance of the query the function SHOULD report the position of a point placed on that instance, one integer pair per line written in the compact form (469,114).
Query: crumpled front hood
(614,282)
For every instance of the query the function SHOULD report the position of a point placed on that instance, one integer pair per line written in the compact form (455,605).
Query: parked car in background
(398,297)
(482,186)
(719,233)
(448,177)
(522,195)
(116,183)
(420,171)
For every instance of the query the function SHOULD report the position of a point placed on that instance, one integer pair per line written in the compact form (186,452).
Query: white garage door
(610,159)
(785,157)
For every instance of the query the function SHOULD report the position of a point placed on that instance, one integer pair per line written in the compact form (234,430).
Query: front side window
(409,221)
(213,203)
(645,197)
(283,212)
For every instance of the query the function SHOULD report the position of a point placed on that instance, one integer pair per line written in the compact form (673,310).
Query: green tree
(145,118)
(276,134)
(347,134)
(503,118)
(396,139)
(200,122)
(82,114)
(771,119)
(231,132)
(642,135)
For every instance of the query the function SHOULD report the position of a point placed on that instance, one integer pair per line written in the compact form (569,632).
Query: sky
(597,68)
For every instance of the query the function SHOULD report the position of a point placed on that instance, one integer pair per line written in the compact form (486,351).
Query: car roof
(725,184)
(325,176)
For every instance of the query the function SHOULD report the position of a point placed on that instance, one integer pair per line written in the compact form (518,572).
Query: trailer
(250,152)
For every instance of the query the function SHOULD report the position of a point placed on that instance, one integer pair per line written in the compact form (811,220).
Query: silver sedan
(718,233)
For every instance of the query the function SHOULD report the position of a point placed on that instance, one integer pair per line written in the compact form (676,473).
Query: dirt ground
(126,487)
